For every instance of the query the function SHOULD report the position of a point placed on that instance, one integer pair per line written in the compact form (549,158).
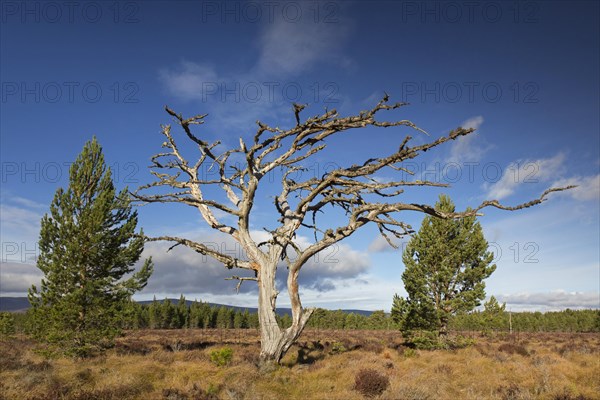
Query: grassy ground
(176,365)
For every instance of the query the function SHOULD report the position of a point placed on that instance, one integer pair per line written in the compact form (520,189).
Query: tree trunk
(275,341)
(443,328)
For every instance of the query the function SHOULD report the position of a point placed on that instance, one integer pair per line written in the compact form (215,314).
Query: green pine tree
(195,316)
(377,320)
(168,315)
(253,321)
(240,320)
(88,247)
(224,318)
(493,313)
(446,264)
(154,314)
(7,324)
(285,321)
(493,307)
(246,319)
(183,313)
(399,310)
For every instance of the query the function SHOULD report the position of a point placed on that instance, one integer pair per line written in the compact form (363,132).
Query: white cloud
(545,248)
(16,278)
(184,271)
(380,245)
(24,220)
(364,293)
(289,48)
(474,122)
(27,202)
(336,262)
(286,49)
(373,98)
(189,80)
(233,102)
(547,301)
(528,171)
(19,229)
(467,148)
(588,187)
(179,271)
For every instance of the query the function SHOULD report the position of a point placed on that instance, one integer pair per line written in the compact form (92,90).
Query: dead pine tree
(353,190)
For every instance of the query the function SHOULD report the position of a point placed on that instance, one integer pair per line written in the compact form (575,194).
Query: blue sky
(524,74)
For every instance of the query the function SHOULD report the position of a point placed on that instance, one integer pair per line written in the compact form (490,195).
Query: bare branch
(240,279)
(229,261)
(355,190)
(488,203)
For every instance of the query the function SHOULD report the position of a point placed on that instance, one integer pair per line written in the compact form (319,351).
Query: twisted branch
(354,190)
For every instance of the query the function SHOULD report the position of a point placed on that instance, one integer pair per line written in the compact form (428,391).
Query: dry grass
(175,365)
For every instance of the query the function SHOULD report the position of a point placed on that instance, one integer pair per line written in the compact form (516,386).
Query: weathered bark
(444,319)
(443,328)
(276,341)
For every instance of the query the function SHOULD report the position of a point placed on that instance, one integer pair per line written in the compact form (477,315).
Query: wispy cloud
(474,122)
(527,171)
(469,148)
(286,50)
(233,102)
(16,278)
(290,48)
(189,80)
(380,245)
(19,229)
(27,203)
(547,301)
(23,220)
(588,187)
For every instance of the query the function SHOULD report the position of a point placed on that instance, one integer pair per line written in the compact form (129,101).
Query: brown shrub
(194,355)
(39,367)
(85,376)
(163,357)
(10,358)
(444,369)
(568,396)
(239,385)
(250,354)
(483,349)
(539,361)
(194,393)
(411,393)
(375,347)
(34,380)
(512,392)
(572,347)
(132,348)
(132,391)
(514,348)
(56,389)
(386,354)
(370,383)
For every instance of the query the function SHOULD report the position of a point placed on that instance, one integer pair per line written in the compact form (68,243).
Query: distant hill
(14,304)
(21,304)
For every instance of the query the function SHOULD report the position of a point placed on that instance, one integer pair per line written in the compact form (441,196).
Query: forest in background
(169,314)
